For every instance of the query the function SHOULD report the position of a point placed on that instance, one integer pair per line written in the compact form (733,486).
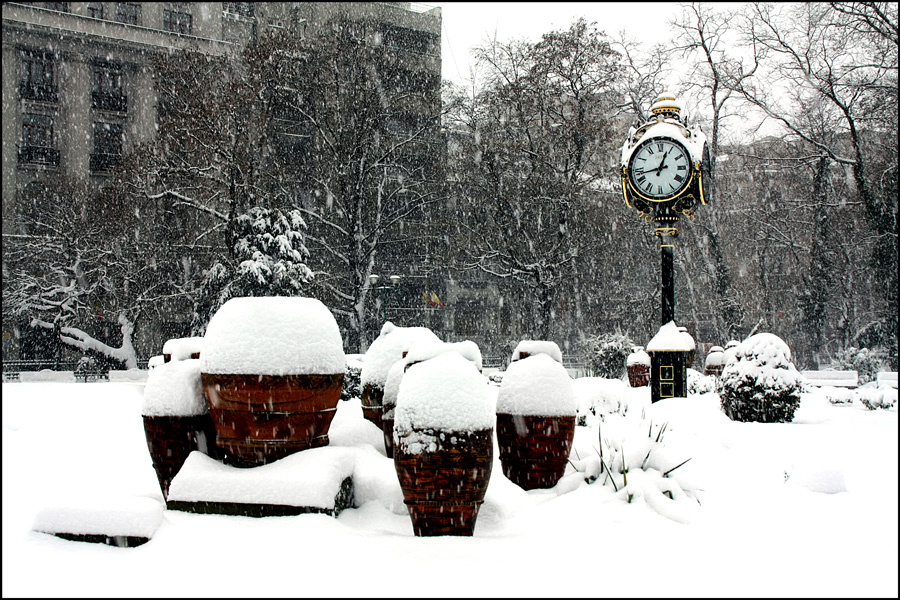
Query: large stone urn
(272,370)
(176,419)
(443,444)
(387,349)
(535,421)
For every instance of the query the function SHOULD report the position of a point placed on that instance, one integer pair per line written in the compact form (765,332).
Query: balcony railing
(102,163)
(38,155)
(107,101)
(43,93)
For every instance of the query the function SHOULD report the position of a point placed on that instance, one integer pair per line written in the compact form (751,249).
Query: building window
(108,92)
(177,22)
(244,9)
(37,141)
(95,10)
(108,143)
(127,12)
(38,78)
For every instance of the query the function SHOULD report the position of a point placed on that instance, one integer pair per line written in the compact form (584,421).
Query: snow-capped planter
(535,421)
(387,349)
(272,370)
(416,353)
(760,383)
(443,444)
(730,350)
(527,348)
(176,419)
(182,348)
(638,367)
(715,361)
(155,361)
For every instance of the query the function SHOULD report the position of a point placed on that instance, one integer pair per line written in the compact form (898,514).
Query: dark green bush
(761,384)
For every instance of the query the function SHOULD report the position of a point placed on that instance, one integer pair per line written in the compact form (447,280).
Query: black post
(667,252)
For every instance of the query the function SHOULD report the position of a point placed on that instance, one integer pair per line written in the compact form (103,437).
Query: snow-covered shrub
(862,360)
(606,354)
(598,397)
(837,395)
(267,259)
(876,395)
(634,461)
(351,387)
(700,384)
(761,383)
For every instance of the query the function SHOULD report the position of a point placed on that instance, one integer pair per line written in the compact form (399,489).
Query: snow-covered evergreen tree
(606,354)
(267,259)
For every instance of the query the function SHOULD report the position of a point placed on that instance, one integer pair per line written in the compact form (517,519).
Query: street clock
(665,164)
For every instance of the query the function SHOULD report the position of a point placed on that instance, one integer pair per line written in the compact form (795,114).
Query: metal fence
(82,370)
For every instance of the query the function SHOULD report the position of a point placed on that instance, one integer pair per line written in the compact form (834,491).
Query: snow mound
(182,348)
(139,375)
(468,349)
(174,389)
(671,338)
(536,386)
(388,348)
(312,477)
(102,515)
(445,393)
(533,347)
(638,357)
(273,335)
(47,375)
(601,396)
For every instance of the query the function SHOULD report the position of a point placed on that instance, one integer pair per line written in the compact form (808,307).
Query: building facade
(78,92)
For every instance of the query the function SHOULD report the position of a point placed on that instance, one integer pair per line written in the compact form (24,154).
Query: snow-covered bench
(115,521)
(888,378)
(846,379)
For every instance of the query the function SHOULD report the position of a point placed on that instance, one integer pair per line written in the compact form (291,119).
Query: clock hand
(662,163)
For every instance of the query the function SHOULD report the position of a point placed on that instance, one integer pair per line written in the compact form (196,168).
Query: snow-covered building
(78,90)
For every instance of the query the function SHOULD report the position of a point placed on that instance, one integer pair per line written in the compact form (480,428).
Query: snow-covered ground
(801,509)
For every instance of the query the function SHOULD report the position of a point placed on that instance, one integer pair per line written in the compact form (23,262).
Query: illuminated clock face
(659,169)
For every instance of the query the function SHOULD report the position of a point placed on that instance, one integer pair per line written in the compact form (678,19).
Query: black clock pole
(667,230)
(667,251)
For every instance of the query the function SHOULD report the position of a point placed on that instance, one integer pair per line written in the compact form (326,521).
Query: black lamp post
(395,283)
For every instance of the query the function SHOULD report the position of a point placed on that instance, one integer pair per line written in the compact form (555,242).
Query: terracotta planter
(168,357)
(714,370)
(371,404)
(443,489)
(171,439)
(638,375)
(387,428)
(534,451)
(262,418)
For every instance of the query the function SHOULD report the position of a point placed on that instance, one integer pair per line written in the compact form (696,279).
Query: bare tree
(537,135)
(818,59)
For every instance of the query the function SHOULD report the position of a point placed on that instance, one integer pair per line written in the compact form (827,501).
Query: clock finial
(667,106)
